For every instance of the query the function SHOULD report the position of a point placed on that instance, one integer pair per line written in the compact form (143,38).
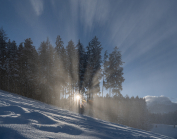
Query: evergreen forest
(56,74)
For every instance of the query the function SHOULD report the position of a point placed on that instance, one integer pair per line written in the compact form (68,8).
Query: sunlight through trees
(70,77)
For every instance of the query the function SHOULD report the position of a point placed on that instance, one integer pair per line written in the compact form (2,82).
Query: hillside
(167,130)
(25,118)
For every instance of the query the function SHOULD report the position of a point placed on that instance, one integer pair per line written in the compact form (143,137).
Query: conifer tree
(114,72)
(11,66)
(93,71)
(30,58)
(3,47)
(45,68)
(72,68)
(71,61)
(81,66)
(21,68)
(59,71)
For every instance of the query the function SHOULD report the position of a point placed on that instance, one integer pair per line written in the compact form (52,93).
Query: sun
(78,97)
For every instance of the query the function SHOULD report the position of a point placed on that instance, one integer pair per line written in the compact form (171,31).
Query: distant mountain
(160,104)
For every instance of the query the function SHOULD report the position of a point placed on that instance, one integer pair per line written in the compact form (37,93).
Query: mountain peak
(160,104)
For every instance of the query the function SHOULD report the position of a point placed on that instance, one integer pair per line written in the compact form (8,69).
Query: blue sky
(144,30)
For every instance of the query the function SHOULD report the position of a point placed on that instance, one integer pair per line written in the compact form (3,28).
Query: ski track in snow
(24,118)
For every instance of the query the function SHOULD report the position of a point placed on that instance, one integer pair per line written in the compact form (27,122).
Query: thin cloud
(37,6)
(136,32)
(90,12)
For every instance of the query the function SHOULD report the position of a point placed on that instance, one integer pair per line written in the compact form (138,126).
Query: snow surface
(23,118)
(167,130)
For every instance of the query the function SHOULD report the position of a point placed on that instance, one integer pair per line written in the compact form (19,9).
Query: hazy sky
(144,30)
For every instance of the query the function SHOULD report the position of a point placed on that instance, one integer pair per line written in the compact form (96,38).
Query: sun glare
(77,97)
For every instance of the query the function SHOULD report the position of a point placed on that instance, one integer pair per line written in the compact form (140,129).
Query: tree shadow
(8,133)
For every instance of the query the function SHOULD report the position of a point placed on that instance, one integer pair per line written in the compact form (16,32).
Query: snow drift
(25,118)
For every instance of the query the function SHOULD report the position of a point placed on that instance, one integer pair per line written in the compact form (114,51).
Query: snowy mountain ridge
(160,104)
(24,118)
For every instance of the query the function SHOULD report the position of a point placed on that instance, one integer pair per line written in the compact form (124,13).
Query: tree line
(55,74)
(130,111)
(58,72)
(164,118)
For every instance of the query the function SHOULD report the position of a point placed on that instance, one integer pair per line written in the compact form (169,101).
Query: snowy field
(23,118)
(167,130)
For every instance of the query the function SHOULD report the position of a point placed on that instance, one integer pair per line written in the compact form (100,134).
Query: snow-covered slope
(23,118)
(167,130)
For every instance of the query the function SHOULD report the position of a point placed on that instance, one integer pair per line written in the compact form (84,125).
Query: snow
(24,118)
(167,130)
(160,104)
(157,100)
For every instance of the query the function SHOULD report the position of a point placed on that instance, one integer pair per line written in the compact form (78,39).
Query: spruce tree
(46,62)
(81,66)
(21,69)
(93,71)
(114,72)
(72,69)
(59,71)
(11,66)
(3,48)
(30,57)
